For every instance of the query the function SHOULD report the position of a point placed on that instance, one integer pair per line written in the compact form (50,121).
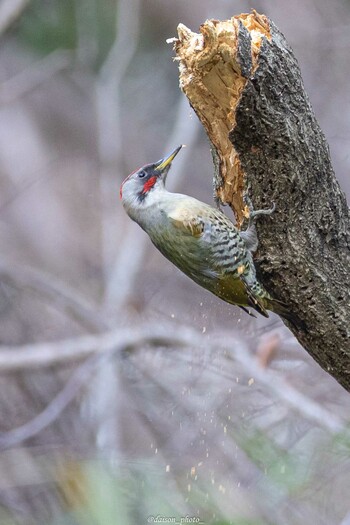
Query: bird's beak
(164,163)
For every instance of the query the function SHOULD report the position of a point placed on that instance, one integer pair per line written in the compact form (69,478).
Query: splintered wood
(211,77)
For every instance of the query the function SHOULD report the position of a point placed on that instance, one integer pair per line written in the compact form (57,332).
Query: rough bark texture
(244,83)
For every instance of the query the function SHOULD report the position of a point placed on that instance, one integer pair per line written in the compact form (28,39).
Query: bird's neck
(144,211)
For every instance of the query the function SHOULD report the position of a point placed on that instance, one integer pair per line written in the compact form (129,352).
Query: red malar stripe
(149,184)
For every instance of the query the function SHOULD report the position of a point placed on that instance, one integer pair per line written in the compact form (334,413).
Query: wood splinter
(214,70)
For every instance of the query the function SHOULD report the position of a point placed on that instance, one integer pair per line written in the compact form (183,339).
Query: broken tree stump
(244,83)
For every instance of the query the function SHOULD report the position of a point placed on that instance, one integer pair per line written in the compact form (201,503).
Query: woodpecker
(199,239)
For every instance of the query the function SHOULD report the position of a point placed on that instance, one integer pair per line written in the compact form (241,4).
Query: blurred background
(128,394)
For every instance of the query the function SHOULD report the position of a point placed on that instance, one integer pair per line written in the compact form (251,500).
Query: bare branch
(115,341)
(52,410)
(71,350)
(110,147)
(55,290)
(110,77)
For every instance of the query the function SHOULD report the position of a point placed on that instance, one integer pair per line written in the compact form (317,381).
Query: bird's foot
(250,236)
(253,214)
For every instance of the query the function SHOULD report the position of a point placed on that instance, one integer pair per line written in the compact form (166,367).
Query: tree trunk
(244,83)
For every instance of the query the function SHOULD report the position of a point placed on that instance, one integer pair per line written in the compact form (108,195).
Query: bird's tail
(282,309)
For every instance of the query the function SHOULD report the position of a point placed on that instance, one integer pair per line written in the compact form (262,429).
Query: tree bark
(244,83)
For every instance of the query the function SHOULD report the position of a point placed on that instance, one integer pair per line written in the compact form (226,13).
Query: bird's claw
(253,214)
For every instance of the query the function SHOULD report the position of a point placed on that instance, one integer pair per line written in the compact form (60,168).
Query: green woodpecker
(199,239)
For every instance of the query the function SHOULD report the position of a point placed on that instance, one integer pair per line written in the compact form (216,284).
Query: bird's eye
(142,174)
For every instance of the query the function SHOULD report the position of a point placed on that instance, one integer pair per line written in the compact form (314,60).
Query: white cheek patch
(124,181)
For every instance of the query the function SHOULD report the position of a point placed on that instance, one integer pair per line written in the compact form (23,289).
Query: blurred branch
(135,242)
(70,350)
(47,355)
(125,263)
(10,10)
(52,410)
(111,74)
(110,136)
(110,147)
(35,75)
(59,293)
(290,395)
(87,45)
(116,341)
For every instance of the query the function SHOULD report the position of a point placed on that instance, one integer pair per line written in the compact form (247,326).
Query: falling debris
(267,349)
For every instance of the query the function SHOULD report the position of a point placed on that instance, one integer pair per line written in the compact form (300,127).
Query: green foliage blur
(50,25)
